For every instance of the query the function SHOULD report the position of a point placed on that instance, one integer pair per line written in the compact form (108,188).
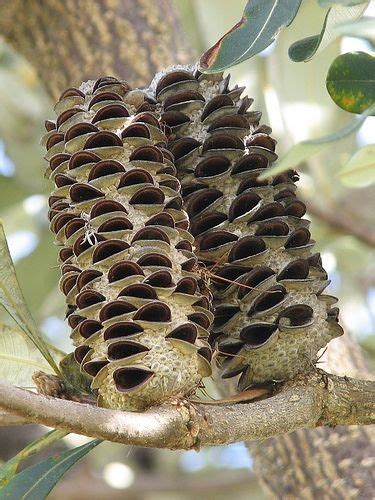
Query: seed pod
(138,317)
(271,316)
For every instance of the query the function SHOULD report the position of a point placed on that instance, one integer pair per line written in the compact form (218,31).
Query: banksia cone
(139,319)
(271,317)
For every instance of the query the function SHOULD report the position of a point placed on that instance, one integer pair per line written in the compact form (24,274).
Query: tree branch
(342,222)
(315,400)
(11,419)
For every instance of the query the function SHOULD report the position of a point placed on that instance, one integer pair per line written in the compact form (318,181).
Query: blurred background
(295,103)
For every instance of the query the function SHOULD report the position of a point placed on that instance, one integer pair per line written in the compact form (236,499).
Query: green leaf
(71,372)
(36,482)
(19,358)
(359,171)
(305,149)
(351,81)
(347,3)
(11,298)
(8,470)
(257,29)
(361,28)
(305,49)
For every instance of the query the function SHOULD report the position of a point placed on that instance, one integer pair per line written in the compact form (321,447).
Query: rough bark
(322,463)
(75,40)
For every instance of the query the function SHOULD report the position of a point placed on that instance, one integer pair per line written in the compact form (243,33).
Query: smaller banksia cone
(139,319)
(271,316)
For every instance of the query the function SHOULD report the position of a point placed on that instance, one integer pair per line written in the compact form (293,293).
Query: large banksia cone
(139,320)
(271,317)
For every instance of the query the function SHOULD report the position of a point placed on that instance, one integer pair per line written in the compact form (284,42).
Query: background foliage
(297,105)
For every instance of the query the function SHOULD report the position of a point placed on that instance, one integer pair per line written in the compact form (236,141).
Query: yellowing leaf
(360,169)
(11,298)
(19,358)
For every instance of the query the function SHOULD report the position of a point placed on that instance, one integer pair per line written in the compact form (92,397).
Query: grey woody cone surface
(271,316)
(139,319)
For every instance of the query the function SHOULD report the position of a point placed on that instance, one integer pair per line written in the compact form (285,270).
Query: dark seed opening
(57,160)
(122,329)
(103,139)
(200,319)
(123,269)
(80,352)
(104,96)
(68,283)
(115,224)
(65,115)
(147,153)
(252,161)
(128,379)
(246,247)
(223,141)
(82,192)
(86,277)
(124,349)
(229,273)
(89,298)
(54,139)
(150,233)
(173,77)
(93,367)
(157,312)
(110,111)
(82,158)
(243,204)
(187,332)
(268,300)
(183,147)
(154,259)
(269,211)
(105,167)
(298,315)
(253,279)
(147,196)
(223,314)
(88,327)
(106,207)
(205,352)
(216,239)
(80,129)
(108,248)
(272,228)
(296,270)
(217,102)
(201,200)
(114,309)
(161,219)
(298,238)
(63,180)
(182,97)
(140,290)
(162,279)
(136,130)
(135,176)
(257,334)
(187,285)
